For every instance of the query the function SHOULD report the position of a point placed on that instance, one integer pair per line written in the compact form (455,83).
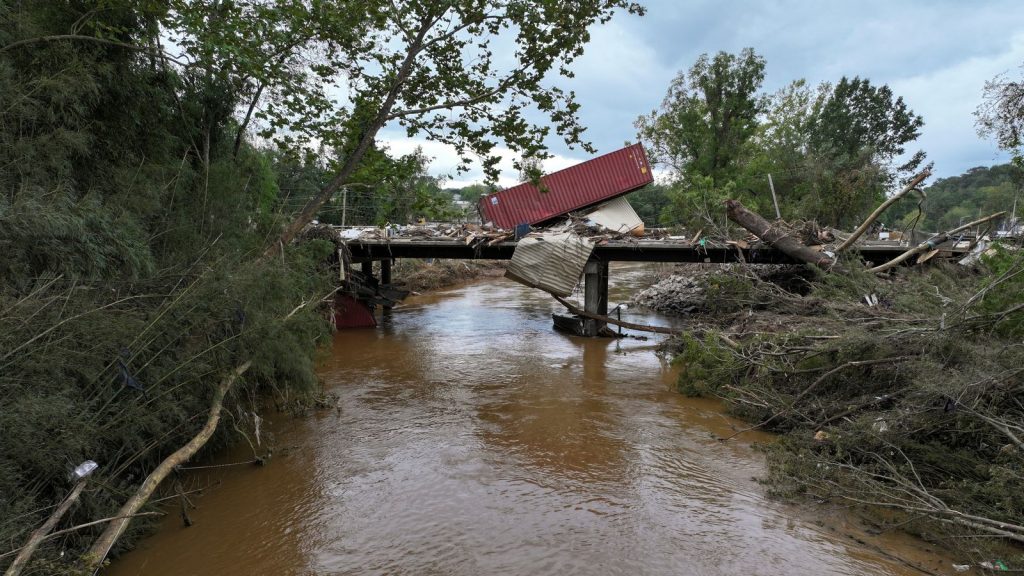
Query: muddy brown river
(469,438)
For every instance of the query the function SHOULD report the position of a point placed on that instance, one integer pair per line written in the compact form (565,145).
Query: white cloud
(445,160)
(936,54)
(947,98)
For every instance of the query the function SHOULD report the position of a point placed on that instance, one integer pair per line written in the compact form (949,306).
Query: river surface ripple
(469,438)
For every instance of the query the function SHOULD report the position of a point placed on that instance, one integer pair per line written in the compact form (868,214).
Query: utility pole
(778,215)
(344,205)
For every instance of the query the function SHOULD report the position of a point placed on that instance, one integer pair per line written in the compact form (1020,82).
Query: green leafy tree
(435,68)
(831,149)
(858,119)
(854,140)
(707,116)
(703,128)
(781,148)
(957,199)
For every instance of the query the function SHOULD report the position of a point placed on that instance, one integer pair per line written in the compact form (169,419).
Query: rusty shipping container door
(585,184)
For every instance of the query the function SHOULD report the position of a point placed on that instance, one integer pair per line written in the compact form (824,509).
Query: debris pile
(466,233)
(717,289)
(679,294)
(902,390)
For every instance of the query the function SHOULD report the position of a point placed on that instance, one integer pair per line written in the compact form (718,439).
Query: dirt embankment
(420,275)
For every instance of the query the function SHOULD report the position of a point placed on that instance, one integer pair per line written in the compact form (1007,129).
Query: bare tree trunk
(932,242)
(775,236)
(878,211)
(99,550)
(245,123)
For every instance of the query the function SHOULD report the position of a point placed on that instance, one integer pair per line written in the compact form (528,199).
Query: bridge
(386,250)
(629,250)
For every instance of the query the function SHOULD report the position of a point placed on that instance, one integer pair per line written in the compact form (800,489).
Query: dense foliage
(831,150)
(127,284)
(156,158)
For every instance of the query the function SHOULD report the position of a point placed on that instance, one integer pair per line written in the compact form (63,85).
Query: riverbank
(897,396)
(419,275)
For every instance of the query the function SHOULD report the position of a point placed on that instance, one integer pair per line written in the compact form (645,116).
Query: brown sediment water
(469,438)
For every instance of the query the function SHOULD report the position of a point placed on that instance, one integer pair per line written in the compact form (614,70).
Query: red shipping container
(585,184)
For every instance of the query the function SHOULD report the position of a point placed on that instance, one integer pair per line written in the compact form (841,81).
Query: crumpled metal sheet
(552,261)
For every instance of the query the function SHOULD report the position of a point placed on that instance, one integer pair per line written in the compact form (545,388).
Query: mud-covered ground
(420,275)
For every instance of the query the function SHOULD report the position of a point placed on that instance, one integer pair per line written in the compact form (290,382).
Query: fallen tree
(933,242)
(777,236)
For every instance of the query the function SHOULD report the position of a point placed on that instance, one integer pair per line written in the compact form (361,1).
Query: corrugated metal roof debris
(552,261)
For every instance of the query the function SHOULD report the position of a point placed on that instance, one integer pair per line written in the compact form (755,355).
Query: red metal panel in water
(573,188)
(351,313)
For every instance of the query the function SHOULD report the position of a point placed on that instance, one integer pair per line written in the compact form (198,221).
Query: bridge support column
(595,295)
(385,279)
(367,269)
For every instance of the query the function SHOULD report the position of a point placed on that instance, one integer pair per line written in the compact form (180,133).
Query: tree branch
(314,204)
(932,242)
(878,211)
(99,550)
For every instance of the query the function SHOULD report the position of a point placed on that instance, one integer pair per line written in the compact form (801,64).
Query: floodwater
(469,438)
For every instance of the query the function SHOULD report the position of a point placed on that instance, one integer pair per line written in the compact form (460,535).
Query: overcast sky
(936,54)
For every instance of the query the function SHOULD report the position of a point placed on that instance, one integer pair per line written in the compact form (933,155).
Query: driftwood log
(609,320)
(776,236)
(41,533)
(632,325)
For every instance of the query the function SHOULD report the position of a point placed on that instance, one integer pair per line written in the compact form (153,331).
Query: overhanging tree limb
(314,204)
(84,38)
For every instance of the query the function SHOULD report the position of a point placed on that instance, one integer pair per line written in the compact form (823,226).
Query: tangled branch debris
(899,396)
